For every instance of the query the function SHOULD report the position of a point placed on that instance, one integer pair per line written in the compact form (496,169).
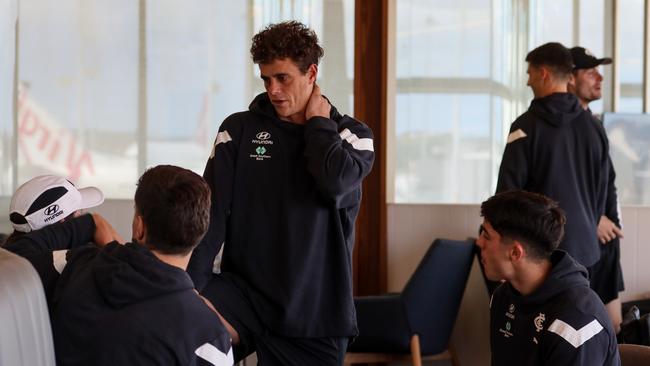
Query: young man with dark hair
(555,149)
(544,313)
(286,187)
(134,304)
(606,275)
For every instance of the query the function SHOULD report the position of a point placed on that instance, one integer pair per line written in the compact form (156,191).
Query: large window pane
(630,65)
(551,21)
(458,87)
(106,90)
(438,38)
(444,149)
(628,147)
(7,64)
(78,92)
(592,36)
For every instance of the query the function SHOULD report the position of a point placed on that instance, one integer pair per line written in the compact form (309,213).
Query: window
(108,88)
(7,67)
(458,75)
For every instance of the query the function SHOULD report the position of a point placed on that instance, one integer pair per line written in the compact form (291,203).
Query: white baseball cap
(47,199)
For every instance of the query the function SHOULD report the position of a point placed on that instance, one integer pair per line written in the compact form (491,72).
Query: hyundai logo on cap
(51,210)
(263,135)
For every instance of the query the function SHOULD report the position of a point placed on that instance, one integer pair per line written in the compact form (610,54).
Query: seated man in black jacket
(545,313)
(134,304)
(43,201)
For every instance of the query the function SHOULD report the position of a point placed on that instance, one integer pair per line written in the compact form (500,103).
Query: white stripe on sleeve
(222,137)
(59,260)
(356,142)
(516,135)
(575,337)
(213,355)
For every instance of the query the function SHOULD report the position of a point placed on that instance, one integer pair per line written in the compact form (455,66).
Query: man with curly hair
(286,188)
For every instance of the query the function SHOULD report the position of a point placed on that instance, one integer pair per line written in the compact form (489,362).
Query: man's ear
(517,251)
(139,229)
(546,73)
(312,73)
(571,84)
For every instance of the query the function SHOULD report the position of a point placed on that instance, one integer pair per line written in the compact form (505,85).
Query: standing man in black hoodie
(134,304)
(606,276)
(545,313)
(286,188)
(555,149)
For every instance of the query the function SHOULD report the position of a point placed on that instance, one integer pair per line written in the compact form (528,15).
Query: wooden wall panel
(369,106)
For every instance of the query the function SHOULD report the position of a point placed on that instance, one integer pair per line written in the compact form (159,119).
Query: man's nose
(273,87)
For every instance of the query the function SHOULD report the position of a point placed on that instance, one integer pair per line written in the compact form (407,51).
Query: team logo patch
(263,136)
(52,212)
(510,314)
(261,153)
(539,322)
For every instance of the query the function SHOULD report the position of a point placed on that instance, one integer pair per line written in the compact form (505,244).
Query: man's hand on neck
(317,106)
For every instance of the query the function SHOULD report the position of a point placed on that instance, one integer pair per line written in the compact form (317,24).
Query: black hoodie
(121,305)
(284,201)
(563,322)
(557,150)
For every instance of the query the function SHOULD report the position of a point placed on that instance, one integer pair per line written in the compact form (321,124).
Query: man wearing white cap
(42,201)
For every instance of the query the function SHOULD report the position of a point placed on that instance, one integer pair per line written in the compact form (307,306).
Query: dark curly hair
(289,39)
(175,206)
(533,219)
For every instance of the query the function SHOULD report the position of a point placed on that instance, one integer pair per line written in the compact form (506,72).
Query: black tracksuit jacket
(556,149)
(562,323)
(284,201)
(120,305)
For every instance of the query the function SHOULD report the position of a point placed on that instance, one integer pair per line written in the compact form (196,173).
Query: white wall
(412,228)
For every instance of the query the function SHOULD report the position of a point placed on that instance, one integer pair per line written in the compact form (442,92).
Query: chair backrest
(25,332)
(634,354)
(433,293)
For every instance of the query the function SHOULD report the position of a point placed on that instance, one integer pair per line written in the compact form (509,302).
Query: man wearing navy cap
(606,276)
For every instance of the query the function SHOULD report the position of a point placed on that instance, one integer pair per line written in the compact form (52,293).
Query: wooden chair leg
(453,355)
(415,350)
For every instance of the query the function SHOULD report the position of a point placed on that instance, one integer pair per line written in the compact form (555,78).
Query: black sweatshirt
(563,322)
(121,305)
(284,201)
(557,150)
(46,249)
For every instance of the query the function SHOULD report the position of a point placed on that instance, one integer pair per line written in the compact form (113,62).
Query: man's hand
(104,232)
(317,106)
(607,230)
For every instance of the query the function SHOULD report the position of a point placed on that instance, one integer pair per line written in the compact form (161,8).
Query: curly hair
(289,39)
(531,218)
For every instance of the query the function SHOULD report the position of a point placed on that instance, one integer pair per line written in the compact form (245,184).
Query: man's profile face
(587,84)
(535,79)
(288,88)
(494,252)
